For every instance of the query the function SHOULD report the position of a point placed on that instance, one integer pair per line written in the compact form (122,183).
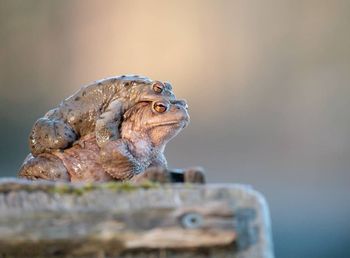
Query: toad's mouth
(179,123)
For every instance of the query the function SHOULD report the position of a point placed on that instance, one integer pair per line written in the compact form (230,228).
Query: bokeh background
(267,83)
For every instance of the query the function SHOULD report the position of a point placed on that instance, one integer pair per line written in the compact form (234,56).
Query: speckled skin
(144,134)
(98,108)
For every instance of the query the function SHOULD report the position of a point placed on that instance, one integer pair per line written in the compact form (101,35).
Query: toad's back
(82,109)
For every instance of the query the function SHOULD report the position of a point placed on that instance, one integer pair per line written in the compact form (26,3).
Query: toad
(138,155)
(97,108)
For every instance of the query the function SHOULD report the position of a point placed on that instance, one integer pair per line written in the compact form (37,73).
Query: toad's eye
(160,107)
(158,87)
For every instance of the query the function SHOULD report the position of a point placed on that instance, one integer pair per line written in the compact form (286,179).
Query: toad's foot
(194,175)
(48,135)
(44,167)
(163,175)
(153,174)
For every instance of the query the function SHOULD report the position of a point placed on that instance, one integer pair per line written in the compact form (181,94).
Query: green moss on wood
(76,189)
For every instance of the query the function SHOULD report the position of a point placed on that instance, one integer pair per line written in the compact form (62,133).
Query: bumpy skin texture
(137,156)
(97,108)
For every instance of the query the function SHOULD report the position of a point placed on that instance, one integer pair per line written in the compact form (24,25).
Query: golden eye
(160,107)
(158,87)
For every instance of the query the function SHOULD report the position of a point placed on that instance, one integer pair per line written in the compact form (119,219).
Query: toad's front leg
(107,125)
(117,161)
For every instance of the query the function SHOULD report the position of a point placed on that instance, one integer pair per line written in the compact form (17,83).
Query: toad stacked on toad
(113,129)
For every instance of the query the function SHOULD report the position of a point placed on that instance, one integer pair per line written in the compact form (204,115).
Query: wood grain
(41,219)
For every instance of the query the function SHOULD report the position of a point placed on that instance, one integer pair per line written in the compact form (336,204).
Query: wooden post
(41,219)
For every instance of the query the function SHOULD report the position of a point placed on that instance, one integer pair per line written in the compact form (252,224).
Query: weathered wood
(44,219)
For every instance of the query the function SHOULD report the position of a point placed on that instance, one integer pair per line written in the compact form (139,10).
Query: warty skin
(146,129)
(96,108)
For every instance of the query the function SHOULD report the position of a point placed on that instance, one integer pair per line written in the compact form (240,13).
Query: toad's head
(143,89)
(155,122)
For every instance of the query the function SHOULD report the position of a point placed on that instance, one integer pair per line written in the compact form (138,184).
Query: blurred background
(267,84)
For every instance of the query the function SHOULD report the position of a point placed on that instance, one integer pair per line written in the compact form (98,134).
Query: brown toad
(146,128)
(97,108)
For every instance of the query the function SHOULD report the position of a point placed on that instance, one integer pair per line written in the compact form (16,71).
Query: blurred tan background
(267,84)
